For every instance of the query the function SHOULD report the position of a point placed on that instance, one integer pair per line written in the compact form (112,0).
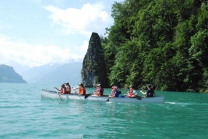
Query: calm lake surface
(23,114)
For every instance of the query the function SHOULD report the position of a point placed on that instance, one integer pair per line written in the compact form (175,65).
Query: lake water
(24,115)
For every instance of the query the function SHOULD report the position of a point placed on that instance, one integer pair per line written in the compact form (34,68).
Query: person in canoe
(62,89)
(82,90)
(132,92)
(99,90)
(150,92)
(114,92)
(68,88)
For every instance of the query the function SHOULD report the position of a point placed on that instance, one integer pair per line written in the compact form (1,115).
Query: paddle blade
(139,98)
(87,95)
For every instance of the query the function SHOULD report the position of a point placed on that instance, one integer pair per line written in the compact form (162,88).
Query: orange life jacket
(82,91)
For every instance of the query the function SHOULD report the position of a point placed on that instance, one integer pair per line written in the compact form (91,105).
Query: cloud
(84,46)
(30,55)
(90,18)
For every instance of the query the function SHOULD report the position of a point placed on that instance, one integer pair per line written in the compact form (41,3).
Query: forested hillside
(8,75)
(162,42)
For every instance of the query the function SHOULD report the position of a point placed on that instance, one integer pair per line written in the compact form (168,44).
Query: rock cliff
(93,68)
(8,75)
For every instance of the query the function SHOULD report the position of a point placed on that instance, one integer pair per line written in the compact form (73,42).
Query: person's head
(114,87)
(98,85)
(131,87)
(62,85)
(67,83)
(81,85)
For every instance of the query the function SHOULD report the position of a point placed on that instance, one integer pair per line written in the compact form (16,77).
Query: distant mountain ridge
(8,75)
(70,72)
(52,73)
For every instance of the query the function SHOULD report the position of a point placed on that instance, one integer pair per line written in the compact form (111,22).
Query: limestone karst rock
(93,68)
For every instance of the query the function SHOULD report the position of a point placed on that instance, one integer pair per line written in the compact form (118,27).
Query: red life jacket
(62,90)
(131,93)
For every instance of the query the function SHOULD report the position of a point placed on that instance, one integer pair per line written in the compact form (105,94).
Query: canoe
(122,99)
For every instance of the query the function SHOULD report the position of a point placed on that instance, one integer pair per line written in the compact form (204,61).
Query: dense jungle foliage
(162,42)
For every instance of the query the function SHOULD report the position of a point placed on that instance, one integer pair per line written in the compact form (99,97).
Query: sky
(36,32)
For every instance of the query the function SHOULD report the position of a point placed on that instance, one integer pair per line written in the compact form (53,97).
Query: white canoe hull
(54,95)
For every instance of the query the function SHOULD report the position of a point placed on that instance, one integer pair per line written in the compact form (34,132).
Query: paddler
(82,90)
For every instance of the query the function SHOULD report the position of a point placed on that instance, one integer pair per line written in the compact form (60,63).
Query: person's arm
(144,93)
(76,88)
(69,89)
(134,92)
(57,89)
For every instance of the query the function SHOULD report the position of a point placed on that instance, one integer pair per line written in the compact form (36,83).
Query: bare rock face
(93,68)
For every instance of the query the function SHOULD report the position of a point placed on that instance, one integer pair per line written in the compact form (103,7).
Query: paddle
(139,98)
(87,95)
(58,93)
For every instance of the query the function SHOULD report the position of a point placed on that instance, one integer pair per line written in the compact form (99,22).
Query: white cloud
(30,55)
(84,46)
(88,19)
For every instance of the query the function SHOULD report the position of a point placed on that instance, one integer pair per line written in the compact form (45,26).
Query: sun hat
(98,84)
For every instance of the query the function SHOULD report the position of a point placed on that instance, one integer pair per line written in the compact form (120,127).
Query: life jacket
(131,93)
(62,90)
(82,91)
(115,93)
(67,91)
(99,91)
(102,91)
(150,93)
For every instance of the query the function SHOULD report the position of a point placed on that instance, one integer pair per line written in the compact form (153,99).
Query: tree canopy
(162,42)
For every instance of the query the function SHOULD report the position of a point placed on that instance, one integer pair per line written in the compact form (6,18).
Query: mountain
(33,74)
(19,68)
(54,73)
(8,75)
(70,72)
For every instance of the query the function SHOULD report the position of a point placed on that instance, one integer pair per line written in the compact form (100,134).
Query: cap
(98,84)
(80,84)
(66,82)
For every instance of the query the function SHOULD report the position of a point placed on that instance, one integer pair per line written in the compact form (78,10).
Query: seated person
(82,90)
(62,89)
(114,92)
(150,92)
(68,88)
(131,93)
(99,91)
